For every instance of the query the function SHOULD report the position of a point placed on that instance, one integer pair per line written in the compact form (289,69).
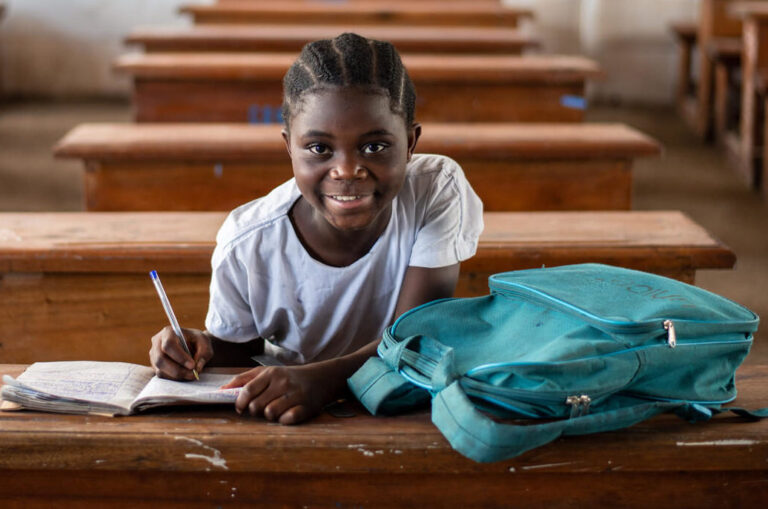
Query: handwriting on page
(100,382)
(204,390)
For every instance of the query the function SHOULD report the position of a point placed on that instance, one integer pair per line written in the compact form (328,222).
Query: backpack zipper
(669,326)
(579,404)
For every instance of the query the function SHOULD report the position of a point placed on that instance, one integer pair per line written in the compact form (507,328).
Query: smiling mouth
(345,197)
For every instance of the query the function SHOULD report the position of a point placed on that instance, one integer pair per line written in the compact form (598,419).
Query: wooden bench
(407,39)
(220,166)
(748,144)
(436,12)
(714,23)
(725,55)
(196,456)
(76,285)
(685,37)
(247,87)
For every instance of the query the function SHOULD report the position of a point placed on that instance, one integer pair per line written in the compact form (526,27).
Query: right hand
(169,358)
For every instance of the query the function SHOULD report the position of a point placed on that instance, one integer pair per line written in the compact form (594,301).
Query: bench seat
(76,285)
(247,87)
(220,166)
(407,39)
(375,12)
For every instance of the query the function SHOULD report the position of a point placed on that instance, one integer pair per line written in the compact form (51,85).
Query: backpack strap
(382,390)
(480,438)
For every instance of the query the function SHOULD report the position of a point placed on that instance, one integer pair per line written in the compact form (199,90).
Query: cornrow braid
(349,60)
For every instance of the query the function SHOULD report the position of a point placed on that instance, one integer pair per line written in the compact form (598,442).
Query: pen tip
(153,274)
(194,372)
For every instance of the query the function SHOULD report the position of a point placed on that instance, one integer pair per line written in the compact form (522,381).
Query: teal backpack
(588,347)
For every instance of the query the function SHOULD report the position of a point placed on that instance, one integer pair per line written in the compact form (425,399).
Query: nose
(348,167)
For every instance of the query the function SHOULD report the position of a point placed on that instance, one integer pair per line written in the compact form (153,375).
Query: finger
(167,368)
(202,349)
(170,345)
(278,406)
(295,415)
(242,379)
(250,394)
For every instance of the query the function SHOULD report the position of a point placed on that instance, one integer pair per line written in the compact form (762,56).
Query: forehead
(347,109)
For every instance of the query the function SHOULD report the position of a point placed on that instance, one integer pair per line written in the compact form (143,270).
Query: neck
(328,244)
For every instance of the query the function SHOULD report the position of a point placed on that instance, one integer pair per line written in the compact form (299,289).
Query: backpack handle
(480,438)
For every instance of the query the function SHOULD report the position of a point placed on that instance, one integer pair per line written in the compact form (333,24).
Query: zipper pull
(585,402)
(579,404)
(671,334)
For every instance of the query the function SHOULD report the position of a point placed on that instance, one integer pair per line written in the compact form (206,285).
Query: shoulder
(432,166)
(428,175)
(258,217)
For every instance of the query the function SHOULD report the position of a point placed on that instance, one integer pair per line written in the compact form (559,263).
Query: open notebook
(111,388)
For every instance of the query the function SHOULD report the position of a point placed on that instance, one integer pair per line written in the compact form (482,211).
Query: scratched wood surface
(198,456)
(247,87)
(266,37)
(219,166)
(76,285)
(434,12)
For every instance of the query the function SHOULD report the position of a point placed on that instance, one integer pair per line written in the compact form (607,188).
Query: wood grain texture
(226,87)
(360,13)
(220,166)
(76,285)
(202,456)
(276,38)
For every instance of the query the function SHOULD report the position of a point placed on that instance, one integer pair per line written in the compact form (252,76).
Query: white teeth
(345,198)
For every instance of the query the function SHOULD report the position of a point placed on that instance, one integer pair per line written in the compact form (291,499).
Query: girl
(324,263)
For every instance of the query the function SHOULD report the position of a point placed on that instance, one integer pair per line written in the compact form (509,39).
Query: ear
(287,140)
(413,136)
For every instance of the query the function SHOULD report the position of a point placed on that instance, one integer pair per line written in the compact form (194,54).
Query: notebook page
(98,385)
(206,390)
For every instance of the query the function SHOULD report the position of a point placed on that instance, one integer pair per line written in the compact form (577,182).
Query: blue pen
(170,314)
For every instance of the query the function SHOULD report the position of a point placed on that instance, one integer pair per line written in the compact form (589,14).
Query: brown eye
(373,148)
(319,149)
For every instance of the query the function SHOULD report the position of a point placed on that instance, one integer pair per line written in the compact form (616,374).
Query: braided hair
(349,60)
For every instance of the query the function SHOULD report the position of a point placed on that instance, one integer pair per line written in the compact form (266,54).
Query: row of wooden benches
(76,286)
(220,166)
(726,102)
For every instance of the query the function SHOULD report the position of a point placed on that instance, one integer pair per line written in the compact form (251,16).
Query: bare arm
(293,394)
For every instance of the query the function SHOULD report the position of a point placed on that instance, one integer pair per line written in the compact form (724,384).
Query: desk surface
(105,141)
(552,69)
(184,241)
(357,456)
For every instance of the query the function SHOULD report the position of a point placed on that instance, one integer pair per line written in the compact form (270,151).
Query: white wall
(63,48)
(630,39)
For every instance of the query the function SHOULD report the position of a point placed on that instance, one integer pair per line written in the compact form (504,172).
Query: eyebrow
(315,133)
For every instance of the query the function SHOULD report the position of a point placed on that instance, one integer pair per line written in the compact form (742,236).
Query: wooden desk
(714,23)
(76,285)
(455,13)
(685,36)
(247,87)
(748,146)
(253,38)
(725,55)
(202,457)
(220,166)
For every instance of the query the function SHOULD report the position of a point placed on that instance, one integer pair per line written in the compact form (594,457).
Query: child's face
(349,152)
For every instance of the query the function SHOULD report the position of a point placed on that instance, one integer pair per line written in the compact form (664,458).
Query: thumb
(239,380)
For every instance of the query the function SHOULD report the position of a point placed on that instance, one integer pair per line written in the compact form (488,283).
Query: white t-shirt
(265,284)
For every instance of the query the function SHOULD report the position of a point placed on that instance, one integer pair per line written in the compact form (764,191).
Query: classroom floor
(689,176)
